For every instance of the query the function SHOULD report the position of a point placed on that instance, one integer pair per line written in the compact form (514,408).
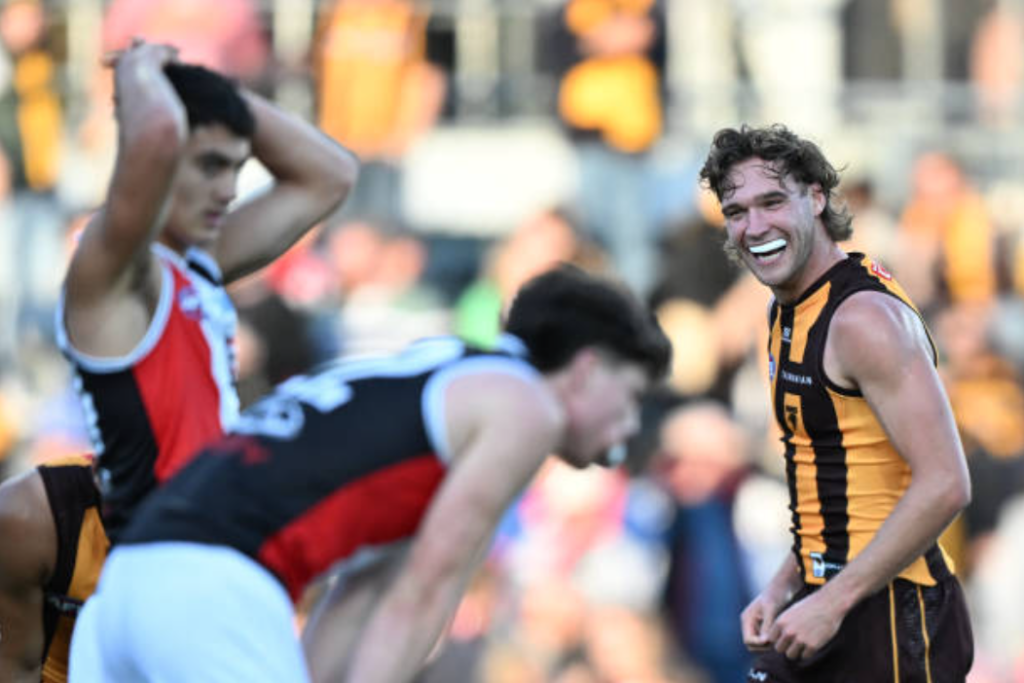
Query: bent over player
(428,448)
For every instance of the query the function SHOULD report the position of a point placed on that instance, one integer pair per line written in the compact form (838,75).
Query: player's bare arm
(29,542)
(312,176)
(112,287)
(501,430)
(879,346)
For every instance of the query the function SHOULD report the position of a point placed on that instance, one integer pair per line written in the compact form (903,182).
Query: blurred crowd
(603,576)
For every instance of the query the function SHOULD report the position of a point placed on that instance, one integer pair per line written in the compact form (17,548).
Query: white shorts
(173,612)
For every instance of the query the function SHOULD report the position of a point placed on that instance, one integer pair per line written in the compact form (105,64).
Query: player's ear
(582,366)
(818,198)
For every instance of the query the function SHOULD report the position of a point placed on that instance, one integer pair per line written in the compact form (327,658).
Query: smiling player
(874,463)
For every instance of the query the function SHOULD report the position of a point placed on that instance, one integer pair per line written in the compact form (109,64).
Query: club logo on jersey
(190,303)
(793,418)
(881,272)
(787,334)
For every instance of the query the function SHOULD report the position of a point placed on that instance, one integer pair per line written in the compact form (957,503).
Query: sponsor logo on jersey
(881,272)
(804,380)
(822,568)
(64,604)
(787,334)
(771,368)
(755,675)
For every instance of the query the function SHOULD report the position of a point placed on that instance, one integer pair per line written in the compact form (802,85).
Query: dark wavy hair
(789,155)
(564,310)
(210,98)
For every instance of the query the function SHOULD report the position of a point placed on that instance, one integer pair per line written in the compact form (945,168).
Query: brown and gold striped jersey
(81,550)
(844,475)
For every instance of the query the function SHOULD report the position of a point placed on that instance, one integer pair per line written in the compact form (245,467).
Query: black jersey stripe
(784,316)
(127,477)
(822,424)
(70,491)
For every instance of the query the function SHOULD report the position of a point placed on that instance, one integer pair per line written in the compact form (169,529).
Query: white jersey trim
(434,405)
(100,365)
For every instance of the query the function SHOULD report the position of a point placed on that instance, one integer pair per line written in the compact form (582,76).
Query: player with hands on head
(144,317)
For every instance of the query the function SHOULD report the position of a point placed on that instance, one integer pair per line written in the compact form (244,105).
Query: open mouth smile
(768,249)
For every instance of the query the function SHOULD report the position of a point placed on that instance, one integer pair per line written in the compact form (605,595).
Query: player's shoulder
(876,331)
(22,496)
(512,395)
(872,313)
(26,523)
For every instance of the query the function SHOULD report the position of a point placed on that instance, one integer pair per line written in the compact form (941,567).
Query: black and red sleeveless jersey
(148,412)
(328,467)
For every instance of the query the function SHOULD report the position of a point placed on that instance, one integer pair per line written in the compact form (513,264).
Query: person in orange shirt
(610,101)
(946,240)
(31,130)
(378,92)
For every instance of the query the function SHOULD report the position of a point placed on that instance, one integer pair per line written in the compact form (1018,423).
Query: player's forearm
(401,635)
(926,509)
(297,153)
(12,672)
(149,112)
(21,641)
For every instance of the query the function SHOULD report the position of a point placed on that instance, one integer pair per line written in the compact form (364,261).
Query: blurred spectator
(997,594)
(695,275)
(385,301)
(987,398)
(874,227)
(550,623)
(947,240)
(274,339)
(694,265)
(997,64)
(539,244)
(31,130)
(227,36)
(611,102)
(626,645)
(696,357)
(702,463)
(378,93)
(773,36)
(9,430)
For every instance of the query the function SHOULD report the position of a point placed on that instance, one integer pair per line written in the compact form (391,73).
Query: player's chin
(611,457)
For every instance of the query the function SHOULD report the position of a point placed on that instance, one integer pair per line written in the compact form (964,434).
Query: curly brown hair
(789,155)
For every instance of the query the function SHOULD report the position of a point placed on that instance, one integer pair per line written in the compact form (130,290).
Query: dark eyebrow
(220,158)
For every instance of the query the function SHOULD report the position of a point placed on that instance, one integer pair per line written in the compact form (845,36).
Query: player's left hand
(803,629)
